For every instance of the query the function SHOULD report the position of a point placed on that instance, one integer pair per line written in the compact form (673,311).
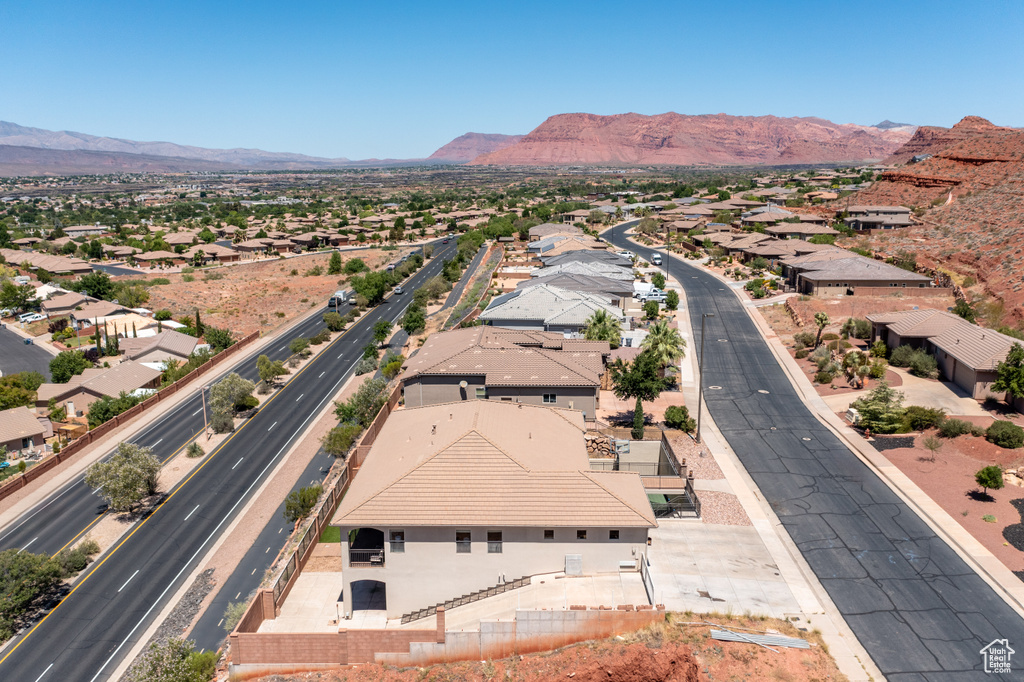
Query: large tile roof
(126,376)
(544,304)
(489,463)
(861,268)
(977,347)
(593,284)
(168,340)
(510,357)
(19,422)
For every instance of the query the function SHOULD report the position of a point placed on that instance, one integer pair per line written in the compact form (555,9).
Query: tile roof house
(548,229)
(877,217)
(95,313)
(167,345)
(967,354)
(547,308)
(21,429)
(95,382)
(54,265)
(842,277)
(455,498)
(64,303)
(491,363)
(619,291)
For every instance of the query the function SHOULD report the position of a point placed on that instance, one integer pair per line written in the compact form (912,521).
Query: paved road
(916,606)
(119,595)
(16,356)
(115,270)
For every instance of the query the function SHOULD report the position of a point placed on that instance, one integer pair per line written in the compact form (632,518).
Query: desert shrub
(879,349)
(299,346)
(322,336)
(72,561)
(799,346)
(210,276)
(366,365)
(877,370)
(314,271)
(801,354)
(901,356)
(1005,434)
(951,428)
(194,450)
(920,418)
(824,377)
(923,364)
(334,321)
(806,338)
(678,417)
(830,336)
(833,345)
(188,278)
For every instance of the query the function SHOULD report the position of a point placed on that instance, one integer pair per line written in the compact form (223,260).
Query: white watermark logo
(996,656)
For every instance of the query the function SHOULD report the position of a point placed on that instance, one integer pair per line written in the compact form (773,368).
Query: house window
(481,393)
(550,398)
(613,535)
(494,542)
(581,535)
(463,541)
(398,542)
(549,534)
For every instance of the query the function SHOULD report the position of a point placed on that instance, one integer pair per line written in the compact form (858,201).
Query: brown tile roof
(62,301)
(510,358)
(976,347)
(19,422)
(98,309)
(127,377)
(489,463)
(168,340)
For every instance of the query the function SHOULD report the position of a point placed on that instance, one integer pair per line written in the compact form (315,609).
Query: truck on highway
(340,298)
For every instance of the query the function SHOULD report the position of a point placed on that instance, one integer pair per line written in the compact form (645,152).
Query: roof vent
(433,429)
(450,415)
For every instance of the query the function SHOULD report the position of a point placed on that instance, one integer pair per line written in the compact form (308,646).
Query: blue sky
(399,79)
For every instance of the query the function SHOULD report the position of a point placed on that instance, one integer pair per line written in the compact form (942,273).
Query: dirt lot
(671,651)
(255,296)
(949,480)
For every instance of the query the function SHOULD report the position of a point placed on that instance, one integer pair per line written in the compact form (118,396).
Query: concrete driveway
(918,391)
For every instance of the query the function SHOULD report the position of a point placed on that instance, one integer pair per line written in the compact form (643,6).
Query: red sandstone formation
(675,139)
(471,145)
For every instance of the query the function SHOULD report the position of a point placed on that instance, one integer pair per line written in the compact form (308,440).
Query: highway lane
(115,599)
(914,604)
(66,514)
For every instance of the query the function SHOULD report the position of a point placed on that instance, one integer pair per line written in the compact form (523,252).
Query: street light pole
(206,424)
(700,368)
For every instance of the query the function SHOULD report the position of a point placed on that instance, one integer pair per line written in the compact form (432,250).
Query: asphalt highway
(917,608)
(110,606)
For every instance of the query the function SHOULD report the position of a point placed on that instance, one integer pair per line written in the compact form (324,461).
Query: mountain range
(565,139)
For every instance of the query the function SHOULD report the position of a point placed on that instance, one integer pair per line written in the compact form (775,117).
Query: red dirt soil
(662,653)
(949,480)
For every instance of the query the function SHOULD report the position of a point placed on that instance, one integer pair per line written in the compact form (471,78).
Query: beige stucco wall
(433,390)
(430,571)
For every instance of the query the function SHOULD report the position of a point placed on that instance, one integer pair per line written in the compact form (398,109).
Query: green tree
(658,280)
(131,294)
(415,320)
(671,299)
(364,404)
(1010,373)
(821,321)
(95,284)
(334,266)
(334,321)
(24,577)
(881,410)
(678,417)
(299,346)
(381,331)
(67,364)
(355,266)
(300,503)
(602,326)
(665,343)
(651,310)
(339,440)
(174,660)
(217,337)
(19,389)
(371,286)
(15,296)
(224,395)
(200,328)
(269,370)
(965,310)
(126,478)
(640,380)
(990,477)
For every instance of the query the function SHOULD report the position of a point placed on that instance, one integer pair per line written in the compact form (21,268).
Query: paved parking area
(16,356)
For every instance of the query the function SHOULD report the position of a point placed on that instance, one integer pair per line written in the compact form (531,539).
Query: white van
(656,259)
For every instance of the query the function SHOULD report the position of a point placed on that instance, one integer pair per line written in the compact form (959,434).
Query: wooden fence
(76,446)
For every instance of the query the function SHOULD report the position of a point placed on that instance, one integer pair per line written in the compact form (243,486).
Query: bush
(339,440)
(334,322)
(901,356)
(1005,434)
(951,428)
(365,366)
(194,450)
(72,561)
(920,418)
(322,336)
(300,503)
(802,353)
(824,377)
(879,349)
(830,336)
(806,338)
(877,370)
(678,417)
(923,364)
(246,403)
(299,346)
(233,613)
(989,477)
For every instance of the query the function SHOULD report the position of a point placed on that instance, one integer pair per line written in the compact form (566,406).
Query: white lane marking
(44,672)
(216,530)
(197,411)
(97,490)
(321,374)
(238,462)
(268,550)
(253,572)
(339,355)
(272,426)
(191,513)
(158,442)
(29,543)
(128,581)
(300,397)
(282,347)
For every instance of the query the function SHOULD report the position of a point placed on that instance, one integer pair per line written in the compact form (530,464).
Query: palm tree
(602,326)
(665,343)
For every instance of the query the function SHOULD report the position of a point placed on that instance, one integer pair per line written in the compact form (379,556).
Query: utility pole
(700,381)
(206,423)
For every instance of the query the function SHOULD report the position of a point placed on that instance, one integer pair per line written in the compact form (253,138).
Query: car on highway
(444,241)
(30,317)
(399,290)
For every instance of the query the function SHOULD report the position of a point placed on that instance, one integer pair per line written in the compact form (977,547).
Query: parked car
(654,295)
(30,317)
(4,465)
(6,312)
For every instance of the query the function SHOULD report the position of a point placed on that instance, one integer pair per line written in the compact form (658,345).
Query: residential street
(915,605)
(17,356)
(116,598)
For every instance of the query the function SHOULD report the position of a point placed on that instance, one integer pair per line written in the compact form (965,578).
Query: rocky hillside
(971,192)
(471,145)
(15,160)
(675,139)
